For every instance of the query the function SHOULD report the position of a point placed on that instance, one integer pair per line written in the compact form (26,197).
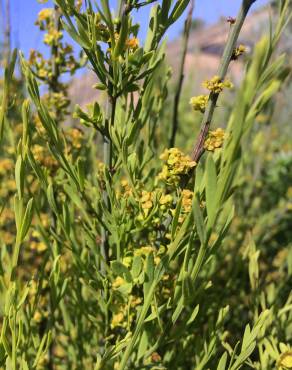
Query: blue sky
(26,36)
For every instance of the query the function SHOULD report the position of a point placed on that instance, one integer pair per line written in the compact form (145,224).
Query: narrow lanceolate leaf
(222,362)
(18,211)
(26,219)
(25,128)
(19,176)
(211,185)
(199,221)
(51,199)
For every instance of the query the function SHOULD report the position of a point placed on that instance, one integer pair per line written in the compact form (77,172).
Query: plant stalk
(186,35)
(225,61)
(108,161)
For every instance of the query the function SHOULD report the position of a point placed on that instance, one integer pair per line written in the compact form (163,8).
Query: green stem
(108,161)
(186,35)
(14,341)
(225,61)
(139,326)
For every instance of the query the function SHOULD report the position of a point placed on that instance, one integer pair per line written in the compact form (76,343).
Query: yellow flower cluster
(165,201)
(42,312)
(146,250)
(53,36)
(6,165)
(215,139)
(187,199)
(241,49)
(41,155)
(132,43)
(36,244)
(216,85)
(126,188)
(119,281)
(45,14)
(177,164)
(117,320)
(199,102)
(9,188)
(146,201)
(286,360)
(76,136)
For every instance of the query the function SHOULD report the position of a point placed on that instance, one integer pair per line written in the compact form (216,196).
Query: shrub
(126,254)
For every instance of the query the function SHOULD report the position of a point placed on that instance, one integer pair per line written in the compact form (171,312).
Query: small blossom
(76,137)
(216,85)
(241,49)
(119,281)
(177,164)
(45,14)
(144,251)
(6,165)
(166,199)
(146,201)
(215,139)
(187,199)
(52,37)
(132,43)
(286,360)
(199,103)
(117,320)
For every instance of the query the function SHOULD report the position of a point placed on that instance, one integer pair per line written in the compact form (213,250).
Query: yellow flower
(165,199)
(215,139)
(199,103)
(118,282)
(37,317)
(76,137)
(52,37)
(6,165)
(286,360)
(117,319)
(177,164)
(127,261)
(45,14)
(7,237)
(144,251)
(146,200)
(187,198)
(241,49)
(216,85)
(132,43)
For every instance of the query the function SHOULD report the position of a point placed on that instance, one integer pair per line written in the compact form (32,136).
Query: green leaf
(222,362)
(26,220)
(120,269)
(193,315)
(211,186)
(136,266)
(51,199)
(19,176)
(199,221)
(149,273)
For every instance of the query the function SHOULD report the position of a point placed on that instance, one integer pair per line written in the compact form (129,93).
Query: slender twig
(108,161)
(225,61)
(186,35)
(7,33)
